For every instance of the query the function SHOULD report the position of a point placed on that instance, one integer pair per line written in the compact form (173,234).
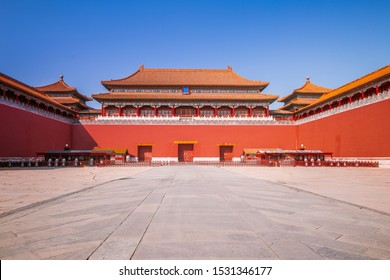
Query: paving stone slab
(196,212)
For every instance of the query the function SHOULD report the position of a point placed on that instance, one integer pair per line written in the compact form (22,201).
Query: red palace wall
(361,132)
(163,137)
(23,134)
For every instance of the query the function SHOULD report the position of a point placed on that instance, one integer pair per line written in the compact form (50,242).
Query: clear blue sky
(280,42)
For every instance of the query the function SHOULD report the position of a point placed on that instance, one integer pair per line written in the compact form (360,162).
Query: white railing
(185,120)
(346,107)
(26,107)
(136,118)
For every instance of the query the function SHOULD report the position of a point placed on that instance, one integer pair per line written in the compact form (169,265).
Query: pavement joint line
(35,209)
(53,199)
(251,227)
(323,196)
(154,214)
(339,237)
(310,248)
(108,236)
(145,233)
(338,200)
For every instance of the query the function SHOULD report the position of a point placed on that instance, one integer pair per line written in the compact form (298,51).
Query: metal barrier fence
(338,163)
(31,163)
(254,163)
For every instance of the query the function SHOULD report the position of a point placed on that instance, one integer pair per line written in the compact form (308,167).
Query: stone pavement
(25,187)
(193,212)
(365,187)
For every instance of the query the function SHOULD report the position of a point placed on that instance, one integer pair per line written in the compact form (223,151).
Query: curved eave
(295,94)
(280,112)
(308,88)
(357,84)
(109,83)
(75,92)
(313,92)
(59,86)
(260,86)
(72,102)
(146,77)
(291,105)
(83,97)
(317,90)
(11,82)
(90,111)
(62,87)
(287,97)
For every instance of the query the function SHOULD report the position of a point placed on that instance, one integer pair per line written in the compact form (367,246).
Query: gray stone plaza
(195,212)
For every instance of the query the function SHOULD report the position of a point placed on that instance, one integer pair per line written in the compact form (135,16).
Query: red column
(350,99)
(120,111)
(362,94)
(215,111)
(173,111)
(267,111)
(250,111)
(137,111)
(155,111)
(330,106)
(376,90)
(233,112)
(339,103)
(198,111)
(103,111)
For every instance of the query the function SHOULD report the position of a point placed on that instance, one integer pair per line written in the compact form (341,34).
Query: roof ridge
(241,77)
(322,90)
(184,76)
(186,69)
(61,81)
(350,86)
(139,70)
(35,91)
(308,82)
(61,88)
(362,77)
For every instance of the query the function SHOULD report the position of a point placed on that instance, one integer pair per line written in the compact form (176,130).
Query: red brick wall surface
(362,132)
(23,134)
(163,136)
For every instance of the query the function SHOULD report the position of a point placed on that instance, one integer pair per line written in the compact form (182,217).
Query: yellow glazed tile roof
(382,72)
(184,77)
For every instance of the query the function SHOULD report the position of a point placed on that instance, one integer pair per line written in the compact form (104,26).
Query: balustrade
(346,107)
(235,120)
(40,111)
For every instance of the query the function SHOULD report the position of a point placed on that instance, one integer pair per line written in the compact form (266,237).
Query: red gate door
(225,153)
(186,152)
(144,153)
